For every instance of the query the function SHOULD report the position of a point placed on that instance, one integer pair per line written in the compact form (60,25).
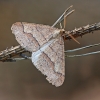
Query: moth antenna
(69,13)
(61,17)
(68,8)
(65,16)
(60,26)
(64,21)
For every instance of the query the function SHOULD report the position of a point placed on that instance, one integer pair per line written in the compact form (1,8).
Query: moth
(47,46)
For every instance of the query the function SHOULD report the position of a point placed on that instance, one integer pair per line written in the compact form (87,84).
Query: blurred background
(21,80)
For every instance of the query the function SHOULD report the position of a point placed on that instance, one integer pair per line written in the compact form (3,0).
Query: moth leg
(17,59)
(25,56)
(72,37)
(12,59)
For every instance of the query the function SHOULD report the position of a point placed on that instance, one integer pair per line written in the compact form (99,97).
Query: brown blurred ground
(21,80)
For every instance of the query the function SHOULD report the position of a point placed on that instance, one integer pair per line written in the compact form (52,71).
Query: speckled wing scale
(47,47)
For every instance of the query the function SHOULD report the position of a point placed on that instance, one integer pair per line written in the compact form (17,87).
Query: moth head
(57,33)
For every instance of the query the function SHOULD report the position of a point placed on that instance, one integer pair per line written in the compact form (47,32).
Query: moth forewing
(47,47)
(33,36)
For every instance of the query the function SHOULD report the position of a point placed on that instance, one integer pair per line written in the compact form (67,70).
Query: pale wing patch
(50,61)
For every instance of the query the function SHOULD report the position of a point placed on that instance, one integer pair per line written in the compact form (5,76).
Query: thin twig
(81,55)
(85,47)
(83,30)
(6,55)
